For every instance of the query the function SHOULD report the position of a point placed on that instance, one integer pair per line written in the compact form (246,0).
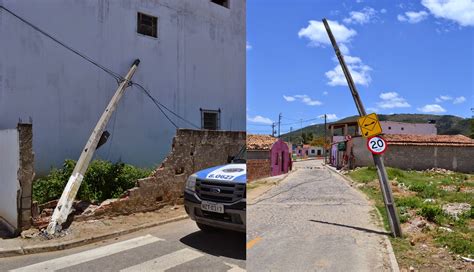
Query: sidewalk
(91,231)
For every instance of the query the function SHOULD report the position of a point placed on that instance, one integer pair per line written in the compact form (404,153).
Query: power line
(260,125)
(117,76)
(160,105)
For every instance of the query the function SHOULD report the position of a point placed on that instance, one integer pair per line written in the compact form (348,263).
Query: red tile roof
(260,142)
(438,140)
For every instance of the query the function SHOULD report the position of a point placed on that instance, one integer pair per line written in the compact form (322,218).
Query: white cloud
(359,71)
(413,17)
(459,100)
(325,93)
(289,98)
(260,119)
(383,11)
(248,46)
(443,98)
(316,33)
(361,17)
(308,101)
(372,109)
(432,108)
(460,11)
(352,60)
(303,98)
(392,100)
(329,116)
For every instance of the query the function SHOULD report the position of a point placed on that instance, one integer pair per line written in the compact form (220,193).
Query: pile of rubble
(439,171)
(456,209)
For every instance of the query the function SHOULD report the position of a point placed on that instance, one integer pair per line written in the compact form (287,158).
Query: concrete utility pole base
(62,210)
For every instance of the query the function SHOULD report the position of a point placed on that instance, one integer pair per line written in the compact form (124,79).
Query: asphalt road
(314,221)
(178,246)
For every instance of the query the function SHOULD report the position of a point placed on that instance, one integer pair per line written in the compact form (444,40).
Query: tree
(319,141)
(307,137)
(472,128)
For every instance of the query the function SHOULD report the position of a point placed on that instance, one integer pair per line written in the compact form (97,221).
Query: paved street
(178,246)
(313,221)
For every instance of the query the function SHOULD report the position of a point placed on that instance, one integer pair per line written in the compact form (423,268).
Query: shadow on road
(219,243)
(352,227)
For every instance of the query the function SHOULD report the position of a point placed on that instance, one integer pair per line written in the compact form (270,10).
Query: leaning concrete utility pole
(64,205)
(381,171)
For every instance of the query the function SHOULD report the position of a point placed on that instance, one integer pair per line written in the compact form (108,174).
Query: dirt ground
(418,250)
(96,227)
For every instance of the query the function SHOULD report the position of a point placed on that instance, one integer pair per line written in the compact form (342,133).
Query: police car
(216,197)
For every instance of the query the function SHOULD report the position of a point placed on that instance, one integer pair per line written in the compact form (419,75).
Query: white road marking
(89,255)
(165,262)
(234,268)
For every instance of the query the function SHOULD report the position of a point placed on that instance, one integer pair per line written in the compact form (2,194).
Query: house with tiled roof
(267,156)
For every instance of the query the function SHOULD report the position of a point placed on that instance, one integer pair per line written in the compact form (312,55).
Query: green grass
(425,185)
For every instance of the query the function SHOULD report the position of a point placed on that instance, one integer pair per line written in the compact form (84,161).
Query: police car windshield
(241,157)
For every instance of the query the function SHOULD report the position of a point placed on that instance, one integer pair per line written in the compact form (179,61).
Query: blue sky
(406,57)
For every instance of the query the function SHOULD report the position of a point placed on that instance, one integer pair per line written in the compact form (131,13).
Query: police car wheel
(206,228)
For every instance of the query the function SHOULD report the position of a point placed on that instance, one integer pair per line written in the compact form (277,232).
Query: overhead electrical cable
(115,75)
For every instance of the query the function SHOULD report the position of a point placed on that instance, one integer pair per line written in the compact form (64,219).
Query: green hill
(446,124)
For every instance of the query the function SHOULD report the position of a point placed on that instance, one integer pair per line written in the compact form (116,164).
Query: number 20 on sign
(377,145)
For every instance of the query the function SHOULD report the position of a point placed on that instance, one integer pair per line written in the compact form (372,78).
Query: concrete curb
(80,242)
(278,181)
(388,244)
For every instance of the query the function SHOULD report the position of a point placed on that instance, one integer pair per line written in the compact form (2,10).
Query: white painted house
(192,56)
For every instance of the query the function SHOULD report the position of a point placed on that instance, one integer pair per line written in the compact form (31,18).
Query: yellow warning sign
(369,125)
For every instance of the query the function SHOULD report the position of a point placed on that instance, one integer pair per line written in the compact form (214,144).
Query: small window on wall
(224,3)
(147,25)
(210,119)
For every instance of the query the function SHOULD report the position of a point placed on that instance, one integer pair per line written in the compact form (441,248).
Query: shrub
(417,187)
(395,173)
(430,212)
(103,180)
(410,202)
(457,242)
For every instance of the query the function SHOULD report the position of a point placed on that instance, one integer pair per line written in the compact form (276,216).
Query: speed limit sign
(377,145)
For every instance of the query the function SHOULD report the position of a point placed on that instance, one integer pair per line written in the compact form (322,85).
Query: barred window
(210,119)
(224,3)
(147,25)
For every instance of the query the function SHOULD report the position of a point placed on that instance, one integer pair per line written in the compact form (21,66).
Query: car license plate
(212,207)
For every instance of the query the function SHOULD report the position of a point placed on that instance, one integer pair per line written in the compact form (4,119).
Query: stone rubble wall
(192,150)
(26,174)
(455,158)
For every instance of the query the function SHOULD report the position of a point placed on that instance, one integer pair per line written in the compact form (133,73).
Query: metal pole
(378,160)
(273,130)
(64,205)
(279,123)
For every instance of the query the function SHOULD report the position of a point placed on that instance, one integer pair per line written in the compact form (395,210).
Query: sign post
(370,129)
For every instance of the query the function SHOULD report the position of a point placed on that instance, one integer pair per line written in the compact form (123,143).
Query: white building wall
(197,61)
(313,151)
(9,184)
(390,127)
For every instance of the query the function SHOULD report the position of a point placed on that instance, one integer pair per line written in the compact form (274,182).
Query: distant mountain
(446,124)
